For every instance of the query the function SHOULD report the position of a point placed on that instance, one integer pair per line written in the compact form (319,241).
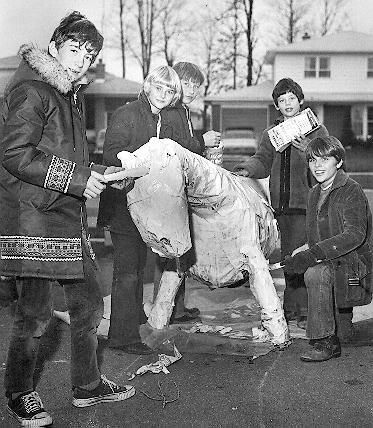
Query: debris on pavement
(162,395)
(159,366)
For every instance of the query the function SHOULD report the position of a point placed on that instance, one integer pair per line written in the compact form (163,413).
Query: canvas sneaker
(29,411)
(105,392)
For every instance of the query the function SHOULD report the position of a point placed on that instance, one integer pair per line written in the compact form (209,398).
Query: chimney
(100,71)
(306,36)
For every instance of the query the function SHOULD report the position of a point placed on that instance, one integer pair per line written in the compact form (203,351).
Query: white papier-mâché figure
(185,202)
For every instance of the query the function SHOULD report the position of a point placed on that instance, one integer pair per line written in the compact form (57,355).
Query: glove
(300,262)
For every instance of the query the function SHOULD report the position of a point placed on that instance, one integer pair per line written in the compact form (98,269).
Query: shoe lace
(32,402)
(113,386)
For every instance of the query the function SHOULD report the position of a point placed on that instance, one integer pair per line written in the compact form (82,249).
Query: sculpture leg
(161,311)
(261,285)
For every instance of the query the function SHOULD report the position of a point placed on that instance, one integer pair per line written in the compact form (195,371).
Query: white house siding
(348,73)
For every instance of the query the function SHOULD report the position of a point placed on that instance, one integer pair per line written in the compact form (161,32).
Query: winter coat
(183,132)
(343,230)
(43,171)
(289,177)
(131,126)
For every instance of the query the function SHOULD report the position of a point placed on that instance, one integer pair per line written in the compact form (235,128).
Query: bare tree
(122,38)
(332,14)
(172,25)
(291,17)
(145,20)
(248,25)
(208,53)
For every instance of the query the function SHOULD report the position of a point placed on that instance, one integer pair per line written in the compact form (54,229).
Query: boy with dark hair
(45,178)
(178,118)
(289,185)
(337,260)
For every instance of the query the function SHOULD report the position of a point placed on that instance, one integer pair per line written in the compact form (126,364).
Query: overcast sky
(25,21)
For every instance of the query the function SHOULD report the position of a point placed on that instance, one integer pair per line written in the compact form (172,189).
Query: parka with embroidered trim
(44,171)
(343,230)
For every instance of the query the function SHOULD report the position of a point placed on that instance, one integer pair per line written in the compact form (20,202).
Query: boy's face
(324,168)
(288,104)
(190,91)
(74,59)
(159,96)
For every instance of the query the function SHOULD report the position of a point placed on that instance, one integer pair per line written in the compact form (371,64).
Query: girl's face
(288,104)
(324,168)
(159,96)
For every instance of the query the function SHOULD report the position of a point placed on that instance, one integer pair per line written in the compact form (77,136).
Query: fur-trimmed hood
(38,64)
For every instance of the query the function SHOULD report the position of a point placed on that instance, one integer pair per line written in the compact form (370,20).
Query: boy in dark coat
(131,126)
(45,178)
(338,260)
(289,184)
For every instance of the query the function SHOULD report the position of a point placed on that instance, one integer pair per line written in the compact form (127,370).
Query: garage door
(254,118)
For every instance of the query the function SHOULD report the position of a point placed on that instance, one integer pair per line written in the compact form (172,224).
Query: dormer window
(370,67)
(317,66)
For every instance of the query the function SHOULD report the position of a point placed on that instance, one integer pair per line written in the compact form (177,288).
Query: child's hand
(211,138)
(301,142)
(241,172)
(95,185)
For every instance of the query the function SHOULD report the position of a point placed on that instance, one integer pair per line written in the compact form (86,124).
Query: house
(336,74)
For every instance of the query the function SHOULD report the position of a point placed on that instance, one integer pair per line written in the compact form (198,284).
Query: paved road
(275,390)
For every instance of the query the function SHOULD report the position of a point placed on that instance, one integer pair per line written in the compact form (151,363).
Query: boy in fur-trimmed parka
(45,178)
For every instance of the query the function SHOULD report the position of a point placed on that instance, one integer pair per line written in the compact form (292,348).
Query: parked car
(100,139)
(240,140)
(95,155)
(239,143)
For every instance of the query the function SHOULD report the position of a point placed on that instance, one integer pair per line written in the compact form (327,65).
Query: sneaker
(105,392)
(28,410)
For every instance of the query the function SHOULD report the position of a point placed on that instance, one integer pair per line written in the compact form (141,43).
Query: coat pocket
(360,271)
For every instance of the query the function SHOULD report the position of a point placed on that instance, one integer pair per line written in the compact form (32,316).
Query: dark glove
(300,262)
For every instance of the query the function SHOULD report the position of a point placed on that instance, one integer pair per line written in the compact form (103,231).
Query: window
(370,67)
(370,122)
(310,66)
(357,120)
(317,66)
(324,66)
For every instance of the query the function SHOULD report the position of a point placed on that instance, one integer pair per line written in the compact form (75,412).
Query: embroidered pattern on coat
(41,249)
(59,174)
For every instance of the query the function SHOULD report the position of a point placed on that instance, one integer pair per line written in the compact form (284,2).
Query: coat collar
(340,179)
(43,68)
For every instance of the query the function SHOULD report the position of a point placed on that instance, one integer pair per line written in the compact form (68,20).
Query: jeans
(293,235)
(320,282)
(127,311)
(33,311)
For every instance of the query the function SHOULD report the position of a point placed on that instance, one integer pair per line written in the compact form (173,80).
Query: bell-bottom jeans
(32,314)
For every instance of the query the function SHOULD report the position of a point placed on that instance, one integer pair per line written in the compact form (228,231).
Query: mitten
(300,262)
